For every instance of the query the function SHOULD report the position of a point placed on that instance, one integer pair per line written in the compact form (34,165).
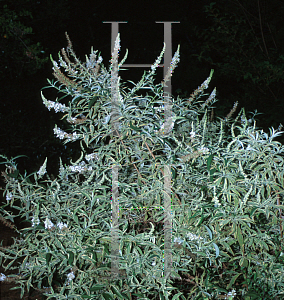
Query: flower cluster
(62,225)
(82,167)
(204,150)
(178,240)
(201,88)
(91,62)
(232,111)
(231,295)
(216,201)
(194,237)
(58,107)
(211,97)
(61,134)
(48,224)
(173,65)
(2,277)
(91,156)
(9,196)
(35,221)
(42,169)
(70,277)
(158,60)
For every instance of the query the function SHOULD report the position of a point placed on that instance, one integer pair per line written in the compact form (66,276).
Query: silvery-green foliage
(225,188)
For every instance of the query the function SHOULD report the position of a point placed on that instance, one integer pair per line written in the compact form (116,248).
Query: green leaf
(92,101)
(49,279)
(228,248)
(97,287)
(47,258)
(233,280)
(107,296)
(134,127)
(240,237)
(216,249)
(92,129)
(86,297)
(243,262)
(86,139)
(201,219)
(138,295)
(14,175)
(209,161)
(28,179)
(252,296)
(76,218)
(25,260)
(115,291)
(209,232)
(10,263)
(71,258)
(175,297)
(212,171)
(125,296)
(204,188)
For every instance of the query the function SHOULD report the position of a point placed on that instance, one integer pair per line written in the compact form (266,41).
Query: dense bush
(227,187)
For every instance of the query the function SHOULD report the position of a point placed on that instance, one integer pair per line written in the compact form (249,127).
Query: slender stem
(280,216)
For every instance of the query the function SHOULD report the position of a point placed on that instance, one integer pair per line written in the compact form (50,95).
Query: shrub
(227,182)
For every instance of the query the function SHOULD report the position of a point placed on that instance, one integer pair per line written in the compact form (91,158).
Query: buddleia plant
(226,189)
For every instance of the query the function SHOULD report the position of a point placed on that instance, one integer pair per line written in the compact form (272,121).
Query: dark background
(241,40)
